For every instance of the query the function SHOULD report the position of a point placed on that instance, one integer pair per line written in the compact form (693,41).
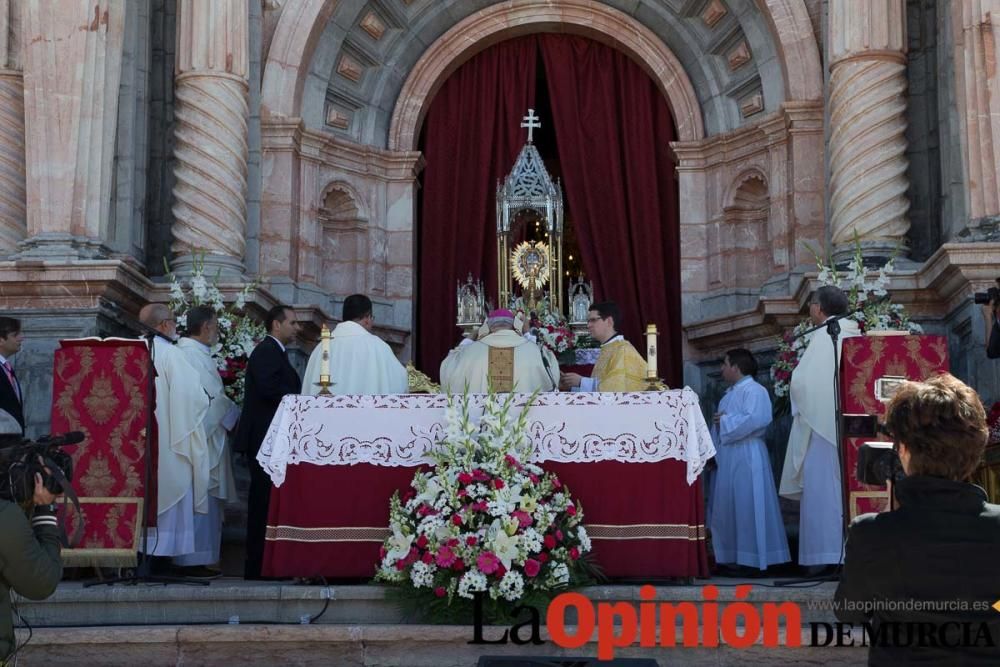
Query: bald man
(184,464)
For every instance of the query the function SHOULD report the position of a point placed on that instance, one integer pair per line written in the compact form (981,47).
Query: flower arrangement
(483,520)
(552,330)
(865,288)
(238,332)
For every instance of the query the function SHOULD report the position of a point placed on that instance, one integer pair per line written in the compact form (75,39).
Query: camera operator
(30,560)
(941,545)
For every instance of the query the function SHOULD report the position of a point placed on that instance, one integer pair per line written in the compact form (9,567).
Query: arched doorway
(612,127)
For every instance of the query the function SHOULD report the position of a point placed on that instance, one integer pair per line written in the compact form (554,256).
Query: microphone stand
(832,326)
(143,571)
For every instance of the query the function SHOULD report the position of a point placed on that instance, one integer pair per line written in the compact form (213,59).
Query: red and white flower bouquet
(484,520)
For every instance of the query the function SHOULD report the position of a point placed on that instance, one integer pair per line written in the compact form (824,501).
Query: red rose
(550,541)
(532,567)
(543,557)
(401,564)
(471,540)
(559,535)
(456,519)
(422,541)
(571,510)
(574,553)
(440,591)
(556,484)
(498,483)
(501,570)
(428,557)
(464,478)
(458,565)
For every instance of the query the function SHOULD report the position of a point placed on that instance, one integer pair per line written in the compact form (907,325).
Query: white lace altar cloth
(400,430)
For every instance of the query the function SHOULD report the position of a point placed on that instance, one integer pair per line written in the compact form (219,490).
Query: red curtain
(472,137)
(613,129)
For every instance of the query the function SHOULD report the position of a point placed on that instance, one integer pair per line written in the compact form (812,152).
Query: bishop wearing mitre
(182,478)
(502,359)
(201,335)
(619,366)
(360,362)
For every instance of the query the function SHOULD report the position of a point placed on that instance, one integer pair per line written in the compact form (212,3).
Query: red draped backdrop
(613,129)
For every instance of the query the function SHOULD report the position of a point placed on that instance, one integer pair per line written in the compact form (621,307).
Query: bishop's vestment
(505,359)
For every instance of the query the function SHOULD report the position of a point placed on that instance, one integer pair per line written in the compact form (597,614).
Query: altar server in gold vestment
(619,367)
(503,359)
(202,333)
(360,361)
(183,458)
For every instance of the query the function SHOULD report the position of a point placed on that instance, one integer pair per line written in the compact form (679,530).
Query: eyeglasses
(594,319)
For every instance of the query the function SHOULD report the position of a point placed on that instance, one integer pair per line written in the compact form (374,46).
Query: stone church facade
(279,139)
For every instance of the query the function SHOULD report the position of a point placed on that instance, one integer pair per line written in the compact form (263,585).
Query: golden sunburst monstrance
(530,264)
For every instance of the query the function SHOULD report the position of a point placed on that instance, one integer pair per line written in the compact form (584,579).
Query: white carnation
(422,574)
(472,581)
(512,586)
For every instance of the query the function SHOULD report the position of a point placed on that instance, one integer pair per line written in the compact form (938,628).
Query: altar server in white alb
(183,460)
(811,472)
(503,359)
(360,361)
(201,334)
(746,521)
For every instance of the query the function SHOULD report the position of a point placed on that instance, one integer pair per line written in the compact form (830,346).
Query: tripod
(832,326)
(143,571)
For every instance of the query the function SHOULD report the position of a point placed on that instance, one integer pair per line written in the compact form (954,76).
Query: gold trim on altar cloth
(327,534)
(646,531)
(859,495)
(118,556)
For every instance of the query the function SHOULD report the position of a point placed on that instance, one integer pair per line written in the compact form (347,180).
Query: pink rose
(556,484)
(523,518)
(487,562)
(440,591)
(532,567)
(559,535)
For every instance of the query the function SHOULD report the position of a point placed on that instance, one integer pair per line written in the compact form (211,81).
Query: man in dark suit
(11,396)
(269,377)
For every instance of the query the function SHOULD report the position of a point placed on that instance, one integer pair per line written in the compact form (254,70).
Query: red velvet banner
(100,388)
(866,359)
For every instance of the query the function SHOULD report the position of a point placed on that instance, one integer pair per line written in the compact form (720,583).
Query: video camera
(21,459)
(989,296)
(878,462)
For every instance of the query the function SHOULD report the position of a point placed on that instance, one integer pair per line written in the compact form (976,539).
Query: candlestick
(651,334)
(324,365)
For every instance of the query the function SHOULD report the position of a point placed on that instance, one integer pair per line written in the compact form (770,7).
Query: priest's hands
(568,381)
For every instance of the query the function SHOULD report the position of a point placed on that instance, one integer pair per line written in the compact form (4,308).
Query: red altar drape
(472,137)
(613,129)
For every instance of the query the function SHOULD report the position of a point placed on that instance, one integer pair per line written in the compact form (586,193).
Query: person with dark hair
(269,377)
(182,453)
(360,362)
(746,521)
(940,547)
(201,335)
(811,473)
(619,367)
(11,392)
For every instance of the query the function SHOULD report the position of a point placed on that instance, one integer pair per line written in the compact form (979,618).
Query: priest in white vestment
(503,359)
(183,458)
(360,361)
(202,328)
(811,471)
(746,520)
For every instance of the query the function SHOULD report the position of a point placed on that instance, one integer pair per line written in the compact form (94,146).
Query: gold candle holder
(325,381)
(653,383)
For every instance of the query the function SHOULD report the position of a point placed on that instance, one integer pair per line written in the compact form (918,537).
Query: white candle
(324,369)
(651,350)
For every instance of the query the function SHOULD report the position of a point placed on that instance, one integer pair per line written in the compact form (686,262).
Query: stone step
(362,646)
(235,600)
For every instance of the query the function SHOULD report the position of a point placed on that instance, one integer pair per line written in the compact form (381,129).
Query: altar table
(633,460)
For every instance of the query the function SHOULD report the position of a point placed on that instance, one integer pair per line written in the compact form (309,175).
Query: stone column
(210,207)
(977,78)
(72,58)
(867,54)
(13,205)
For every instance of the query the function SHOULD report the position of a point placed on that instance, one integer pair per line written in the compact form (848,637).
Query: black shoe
(197,572)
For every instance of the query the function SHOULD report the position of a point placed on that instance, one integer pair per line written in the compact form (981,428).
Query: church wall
(254,177)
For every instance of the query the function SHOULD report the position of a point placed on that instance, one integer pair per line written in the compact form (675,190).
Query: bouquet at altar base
(866,288)
(483,521)
(238,332)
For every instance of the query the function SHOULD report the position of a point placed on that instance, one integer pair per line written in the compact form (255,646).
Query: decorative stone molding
(713,13)
(373,25)
(211,133)
(70,117)
(738,56)
(337,118)
(867,102)
(977,82)
(752,104)
(13,197)
(349,68)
